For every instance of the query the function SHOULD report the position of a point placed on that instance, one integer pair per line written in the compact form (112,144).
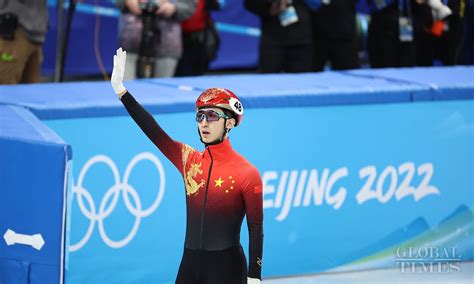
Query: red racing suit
(221,187)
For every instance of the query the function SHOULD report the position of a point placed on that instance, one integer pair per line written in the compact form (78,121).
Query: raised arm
(169,147)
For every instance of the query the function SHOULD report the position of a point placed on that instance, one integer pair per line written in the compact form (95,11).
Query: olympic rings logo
(113,192)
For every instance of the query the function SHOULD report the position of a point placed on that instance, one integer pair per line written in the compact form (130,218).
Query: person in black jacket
(448,46)
(388,46)
(286,38)
(424,39)
(334,34)
(439,35)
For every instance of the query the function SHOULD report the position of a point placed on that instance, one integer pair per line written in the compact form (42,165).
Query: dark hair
(230,114)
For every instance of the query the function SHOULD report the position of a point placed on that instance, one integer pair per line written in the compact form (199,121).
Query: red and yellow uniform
(221,188)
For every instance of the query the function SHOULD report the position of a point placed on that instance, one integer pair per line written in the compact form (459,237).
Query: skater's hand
(118,71)
(253,280)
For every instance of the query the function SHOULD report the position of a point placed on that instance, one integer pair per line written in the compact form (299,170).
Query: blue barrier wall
(33,171)
(340,153)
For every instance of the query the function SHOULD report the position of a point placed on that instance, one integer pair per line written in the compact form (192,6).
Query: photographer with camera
(151,32)
(23,27)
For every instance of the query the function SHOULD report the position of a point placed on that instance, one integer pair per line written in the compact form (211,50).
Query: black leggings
(213,267)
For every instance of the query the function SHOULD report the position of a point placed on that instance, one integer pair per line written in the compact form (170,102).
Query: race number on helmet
(221,98)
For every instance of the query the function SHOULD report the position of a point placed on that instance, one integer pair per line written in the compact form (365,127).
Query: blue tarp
(32,196)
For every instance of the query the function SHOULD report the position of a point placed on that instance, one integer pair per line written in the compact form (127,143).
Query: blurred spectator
(23,27)
(200,40)
(423,36)
(168,45)
(390,38)
(449,43)
(467,54)
(441,31)
(286,38)
(335,35)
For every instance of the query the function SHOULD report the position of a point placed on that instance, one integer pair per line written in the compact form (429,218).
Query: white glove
(117,74)
(438,9)
(253,280)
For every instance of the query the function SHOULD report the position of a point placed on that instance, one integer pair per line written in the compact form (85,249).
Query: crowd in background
(401,33)
(179,38)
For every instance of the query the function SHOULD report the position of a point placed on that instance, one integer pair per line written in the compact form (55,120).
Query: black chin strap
(226,130)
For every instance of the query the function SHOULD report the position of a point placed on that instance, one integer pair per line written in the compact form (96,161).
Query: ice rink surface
(465,275)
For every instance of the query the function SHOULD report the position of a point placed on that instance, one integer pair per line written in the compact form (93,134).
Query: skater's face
(211,124)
